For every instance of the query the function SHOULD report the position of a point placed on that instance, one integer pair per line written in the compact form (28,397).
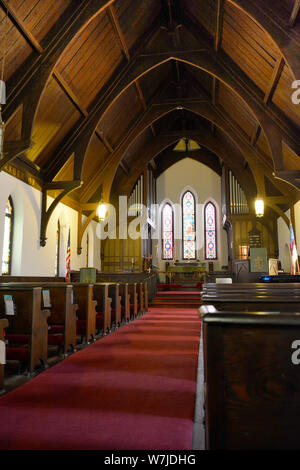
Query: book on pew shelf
(9,305)
(46,298)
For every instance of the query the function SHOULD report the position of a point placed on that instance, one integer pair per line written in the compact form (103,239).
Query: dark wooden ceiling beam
(287,42)
(118,31)
(124,167)
(28,82)
(294,14)
(106,174)
(21,26)
(117,84)
(69,92)
(255,135)
(276,75)
(219,24)
(104,140)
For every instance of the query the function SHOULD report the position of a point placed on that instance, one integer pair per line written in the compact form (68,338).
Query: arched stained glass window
(8,234)
(210,231)
(189,226)
(57,249)
(167,232)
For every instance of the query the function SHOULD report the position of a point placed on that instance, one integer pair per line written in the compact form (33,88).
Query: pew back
(251,383)
(30,319)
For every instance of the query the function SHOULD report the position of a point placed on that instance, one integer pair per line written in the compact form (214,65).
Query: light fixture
(186,145)
(259,207)
(101,211)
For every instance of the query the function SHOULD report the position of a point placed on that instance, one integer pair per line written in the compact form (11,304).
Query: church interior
(149,218)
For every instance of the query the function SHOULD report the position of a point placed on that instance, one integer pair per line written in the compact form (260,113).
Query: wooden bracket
(82,226)
(66,187)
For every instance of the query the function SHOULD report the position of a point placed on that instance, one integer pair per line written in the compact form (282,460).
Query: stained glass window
(167,232)
(57,250)
(188,226)
(210,231)
(7,240)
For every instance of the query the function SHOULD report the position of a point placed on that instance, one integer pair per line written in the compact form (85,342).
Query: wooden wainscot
(252,380)
(83,296)
(125,302)
(103,317)
(3,325)
(27,333)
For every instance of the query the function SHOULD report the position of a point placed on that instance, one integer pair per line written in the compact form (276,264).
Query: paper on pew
(2,352)
(223,280)
(46,298)
(9,307)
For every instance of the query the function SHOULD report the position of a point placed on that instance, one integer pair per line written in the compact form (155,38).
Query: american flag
(68,259)
(293,250)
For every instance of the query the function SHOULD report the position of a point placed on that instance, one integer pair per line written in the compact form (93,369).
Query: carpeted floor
(134,389)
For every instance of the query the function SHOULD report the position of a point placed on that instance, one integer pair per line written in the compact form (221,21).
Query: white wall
(284,238)
(284,244)
(206,185)
(29,258)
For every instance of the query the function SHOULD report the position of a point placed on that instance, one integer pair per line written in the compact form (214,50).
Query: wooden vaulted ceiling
(97,89)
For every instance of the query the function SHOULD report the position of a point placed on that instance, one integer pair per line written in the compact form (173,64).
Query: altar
(185,272)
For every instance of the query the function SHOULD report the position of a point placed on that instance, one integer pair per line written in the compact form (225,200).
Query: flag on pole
(68,259)
(293,250)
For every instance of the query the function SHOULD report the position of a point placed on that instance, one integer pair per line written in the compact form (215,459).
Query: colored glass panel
(210,231)
(167,232)
(188,219)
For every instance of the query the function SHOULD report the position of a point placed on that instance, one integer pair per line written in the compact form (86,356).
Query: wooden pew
(252,398)
(62,320)
(27,333)
(103,317)
(114,294)
(251,297)
(132,290)
(125,301)
(83,296)
(3,325)
(62,313)
(140,292)
(146,297)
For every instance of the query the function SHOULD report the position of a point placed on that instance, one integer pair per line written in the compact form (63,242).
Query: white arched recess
(28,257)
(205,184)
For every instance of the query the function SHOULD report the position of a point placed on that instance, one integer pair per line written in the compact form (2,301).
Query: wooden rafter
(219,24)
(69,92)
(294,14)
(21,26)
(277,72)
(119,34)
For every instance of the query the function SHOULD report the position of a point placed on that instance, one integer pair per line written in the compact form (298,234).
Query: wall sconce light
(259,207)
(101,211)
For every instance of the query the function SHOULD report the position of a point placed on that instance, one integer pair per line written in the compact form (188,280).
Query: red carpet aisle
(134,389)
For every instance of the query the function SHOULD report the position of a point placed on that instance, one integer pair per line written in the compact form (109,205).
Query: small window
(210,231)
(8,236)
(167,232)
